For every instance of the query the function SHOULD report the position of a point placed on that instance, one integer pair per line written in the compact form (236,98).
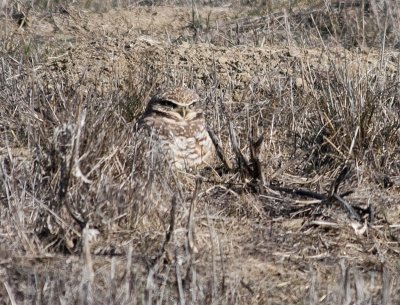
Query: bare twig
(219,151)
(190,224)
(242,163)
(10,293)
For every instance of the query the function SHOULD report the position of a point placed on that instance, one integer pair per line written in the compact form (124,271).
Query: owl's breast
(190,150)
(186,144)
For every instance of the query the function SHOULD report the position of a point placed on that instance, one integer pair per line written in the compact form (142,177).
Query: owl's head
(178,103)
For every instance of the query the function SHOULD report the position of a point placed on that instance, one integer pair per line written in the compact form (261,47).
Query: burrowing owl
(175,123)
(170,136)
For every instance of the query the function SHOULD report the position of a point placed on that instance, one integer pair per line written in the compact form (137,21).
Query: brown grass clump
(303,207)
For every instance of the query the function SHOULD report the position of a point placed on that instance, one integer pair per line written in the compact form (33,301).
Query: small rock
(294,52)
(300,83)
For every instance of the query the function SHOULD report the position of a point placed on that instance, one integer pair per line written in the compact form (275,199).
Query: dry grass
(305,106)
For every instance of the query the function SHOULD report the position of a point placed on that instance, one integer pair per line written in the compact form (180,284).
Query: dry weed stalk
(87,269)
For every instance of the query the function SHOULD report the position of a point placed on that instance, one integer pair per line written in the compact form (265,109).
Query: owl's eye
(168,104)
(191,106)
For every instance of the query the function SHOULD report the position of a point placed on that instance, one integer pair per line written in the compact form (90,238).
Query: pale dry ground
(250,247)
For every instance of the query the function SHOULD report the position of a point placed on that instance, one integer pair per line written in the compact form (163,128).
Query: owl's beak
(183,111)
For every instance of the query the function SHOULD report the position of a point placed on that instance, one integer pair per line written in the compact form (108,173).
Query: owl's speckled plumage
(174,123)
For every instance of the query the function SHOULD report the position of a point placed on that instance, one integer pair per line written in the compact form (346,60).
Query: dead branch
(219,151)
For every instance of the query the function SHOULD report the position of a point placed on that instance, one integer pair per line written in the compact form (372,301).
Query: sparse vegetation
(305,106)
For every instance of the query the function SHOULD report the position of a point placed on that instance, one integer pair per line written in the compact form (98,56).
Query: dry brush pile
(307,184)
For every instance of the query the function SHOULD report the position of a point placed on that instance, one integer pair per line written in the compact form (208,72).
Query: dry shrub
(352,115)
